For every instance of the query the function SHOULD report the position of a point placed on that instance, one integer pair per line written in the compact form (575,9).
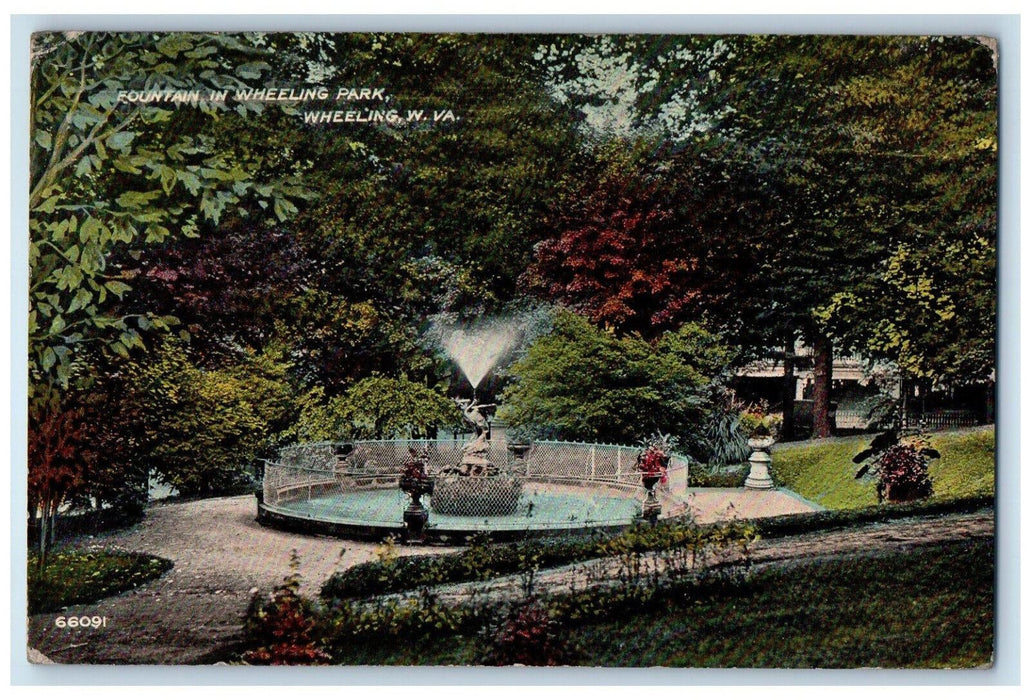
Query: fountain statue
(476,485)
(472,414)
(479,486)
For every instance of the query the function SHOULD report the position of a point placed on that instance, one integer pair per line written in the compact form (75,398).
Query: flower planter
(902,493)
(415,515)
(652,509)
(761,444)
(759,463)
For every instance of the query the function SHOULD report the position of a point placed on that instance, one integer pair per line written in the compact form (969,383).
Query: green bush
(709,476)
(376,407)
(581,382)
(802,523)
(72,577)
(482,561)
(204,427)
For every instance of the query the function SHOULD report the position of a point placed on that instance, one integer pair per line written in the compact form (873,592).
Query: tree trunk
(43,538)
(787,431)
(823,369)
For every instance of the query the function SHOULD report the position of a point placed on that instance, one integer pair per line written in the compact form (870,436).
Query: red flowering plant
(414,476)
(280,628)
(900,464)
(529,637)
(653,462)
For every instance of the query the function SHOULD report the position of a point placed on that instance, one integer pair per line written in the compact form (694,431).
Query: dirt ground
(221,555)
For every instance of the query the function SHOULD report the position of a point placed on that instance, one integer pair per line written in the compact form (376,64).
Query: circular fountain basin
(542,509)
(565,488)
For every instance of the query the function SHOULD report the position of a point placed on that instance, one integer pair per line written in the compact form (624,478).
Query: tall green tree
(867,150)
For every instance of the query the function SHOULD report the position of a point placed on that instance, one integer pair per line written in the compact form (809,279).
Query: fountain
(478,348)
(372,488)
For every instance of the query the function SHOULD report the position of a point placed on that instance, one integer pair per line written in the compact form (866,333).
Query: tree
(55,467)
(617,254)
(865,148)
(580,382)
(897,150)
(234,287)
(204,427)
(931,307)
(376,408)
(120,158)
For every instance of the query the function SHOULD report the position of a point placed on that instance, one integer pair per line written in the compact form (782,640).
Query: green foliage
(203,427)
(726,438)
(376,407)
(481,560)
(713,476)
(671,559)
(395,621)
(74,577)
(580,382)
(927,608)
(109,174)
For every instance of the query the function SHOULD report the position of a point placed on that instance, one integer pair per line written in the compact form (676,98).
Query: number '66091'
(81,621)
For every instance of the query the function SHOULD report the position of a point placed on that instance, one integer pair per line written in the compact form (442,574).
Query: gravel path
(221,554)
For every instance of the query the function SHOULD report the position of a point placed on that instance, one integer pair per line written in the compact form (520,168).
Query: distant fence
(849,420)
(944,419)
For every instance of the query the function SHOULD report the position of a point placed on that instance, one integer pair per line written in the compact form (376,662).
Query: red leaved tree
(619,257)
(56,466)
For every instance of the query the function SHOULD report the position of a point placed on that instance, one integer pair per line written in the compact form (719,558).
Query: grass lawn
(823,472)
(73,577)
(930,608)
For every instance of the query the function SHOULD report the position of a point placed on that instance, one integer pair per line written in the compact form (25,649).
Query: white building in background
(856,383)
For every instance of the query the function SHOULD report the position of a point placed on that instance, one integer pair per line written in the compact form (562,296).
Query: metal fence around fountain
(359,481)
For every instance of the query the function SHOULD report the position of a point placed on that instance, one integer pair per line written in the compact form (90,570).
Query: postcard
(509,349)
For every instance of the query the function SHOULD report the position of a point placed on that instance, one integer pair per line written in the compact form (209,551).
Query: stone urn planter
(519,451)
(652,508)
(416,514)
(759,463)
(652,464)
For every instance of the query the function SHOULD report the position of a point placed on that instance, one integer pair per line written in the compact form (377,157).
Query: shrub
(899,465)
(482,560)
(726,439)
(710,476)
(902,472)
(528,637)
(376,407)
(280,627)
(581,382)
(204,426)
